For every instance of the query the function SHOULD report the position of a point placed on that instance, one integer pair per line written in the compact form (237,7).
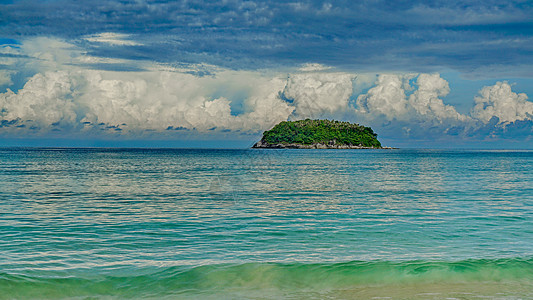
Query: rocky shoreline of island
(262,145)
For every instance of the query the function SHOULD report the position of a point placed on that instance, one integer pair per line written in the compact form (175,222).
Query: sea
(265,224)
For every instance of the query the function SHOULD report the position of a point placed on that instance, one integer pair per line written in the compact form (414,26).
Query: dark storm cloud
(469,36)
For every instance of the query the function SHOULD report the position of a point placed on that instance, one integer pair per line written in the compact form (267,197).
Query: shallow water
(152,223)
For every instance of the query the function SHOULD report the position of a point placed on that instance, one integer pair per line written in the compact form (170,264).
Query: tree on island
(332,134)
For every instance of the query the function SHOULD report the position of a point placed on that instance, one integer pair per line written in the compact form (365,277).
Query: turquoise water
(340,224)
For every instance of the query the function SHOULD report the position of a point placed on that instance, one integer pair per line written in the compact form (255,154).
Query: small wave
(468,279)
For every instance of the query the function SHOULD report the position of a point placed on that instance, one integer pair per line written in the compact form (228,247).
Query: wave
(497,278)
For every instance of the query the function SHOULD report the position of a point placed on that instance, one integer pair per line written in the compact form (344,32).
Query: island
(319,134)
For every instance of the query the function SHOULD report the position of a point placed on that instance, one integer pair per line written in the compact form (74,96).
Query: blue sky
(196,73)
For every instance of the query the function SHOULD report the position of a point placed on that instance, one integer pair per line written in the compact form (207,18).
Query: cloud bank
(65,97)
(98,102)
(89,101)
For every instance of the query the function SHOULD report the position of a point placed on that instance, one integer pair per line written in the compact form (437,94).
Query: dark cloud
(363,35)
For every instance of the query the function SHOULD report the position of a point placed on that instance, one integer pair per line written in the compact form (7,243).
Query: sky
(422,74)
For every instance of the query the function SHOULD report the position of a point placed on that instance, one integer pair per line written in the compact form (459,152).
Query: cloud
(112,38)
(499,101)
(386,98)
(46,99)
(84,102)
(317,94)
(411,106)
(112,102)
(312,67)
(265,106)
(40,54)
(5,78)
(426,102)
(371,36)
(96,103)
(65,96)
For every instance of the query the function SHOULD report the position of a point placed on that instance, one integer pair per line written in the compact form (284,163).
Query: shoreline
(262,145)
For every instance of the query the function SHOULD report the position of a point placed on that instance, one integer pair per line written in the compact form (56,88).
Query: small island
(319,134)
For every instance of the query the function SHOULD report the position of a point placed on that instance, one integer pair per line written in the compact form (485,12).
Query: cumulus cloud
(501,102)
(265,105)
(317,94)
(90,100)
(45,100)
(386,98)
(64,95)
(134,103)
(426,102)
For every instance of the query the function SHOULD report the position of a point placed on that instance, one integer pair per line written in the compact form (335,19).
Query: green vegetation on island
(319,134)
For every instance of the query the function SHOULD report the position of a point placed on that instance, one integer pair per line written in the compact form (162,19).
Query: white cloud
(89,59)
(45,100)
(501,102)
(63,95)
(265,106)
(316,94)
(5,78)
(313,67)
(49,54)
(112,38)
(387,98)
(426,102)
(135,102)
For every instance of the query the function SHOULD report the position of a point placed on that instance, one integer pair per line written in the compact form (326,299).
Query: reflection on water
(81,208)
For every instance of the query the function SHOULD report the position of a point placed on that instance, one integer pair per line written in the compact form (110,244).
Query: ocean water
(263,224)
